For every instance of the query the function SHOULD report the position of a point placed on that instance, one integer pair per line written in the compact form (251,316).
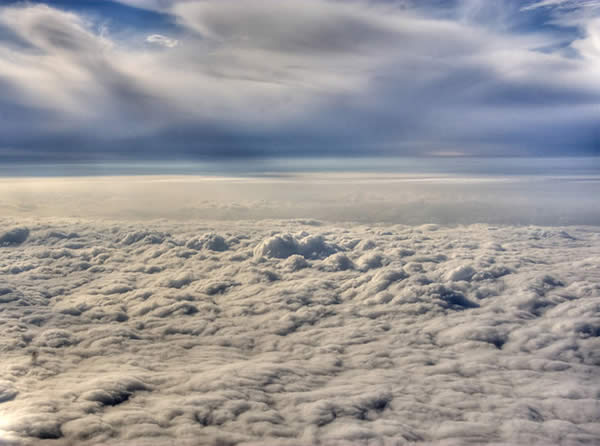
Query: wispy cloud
(563,4)
(161,40)
(295,76)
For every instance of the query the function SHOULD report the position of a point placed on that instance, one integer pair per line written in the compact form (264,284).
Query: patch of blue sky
(118,18)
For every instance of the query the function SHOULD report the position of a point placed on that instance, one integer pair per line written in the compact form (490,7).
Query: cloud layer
(369,198)
(299,77)
(298,332)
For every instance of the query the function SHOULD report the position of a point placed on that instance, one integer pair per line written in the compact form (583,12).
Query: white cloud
(493,339)
(161,40)
(563,4)
(154,5)
(589,46)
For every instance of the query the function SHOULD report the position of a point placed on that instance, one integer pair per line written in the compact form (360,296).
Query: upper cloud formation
(297,77)
(563,4)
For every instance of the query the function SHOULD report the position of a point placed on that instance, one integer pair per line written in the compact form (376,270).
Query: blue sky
(179,79)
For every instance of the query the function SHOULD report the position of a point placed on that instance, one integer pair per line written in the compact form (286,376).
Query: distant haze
(410,191)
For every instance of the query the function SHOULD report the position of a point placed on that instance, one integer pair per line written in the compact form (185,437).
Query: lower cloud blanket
(298,333)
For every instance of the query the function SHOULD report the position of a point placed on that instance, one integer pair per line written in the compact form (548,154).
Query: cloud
(117,331)
(161,40)
(574,4)
(68,68)
(286,245)
(588,46)
(311,28)
(268,77)
(528,196)
(14,237)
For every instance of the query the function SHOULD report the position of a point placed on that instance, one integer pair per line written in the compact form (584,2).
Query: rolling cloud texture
(296,333)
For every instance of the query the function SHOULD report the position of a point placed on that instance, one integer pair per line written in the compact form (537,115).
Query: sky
(176,79)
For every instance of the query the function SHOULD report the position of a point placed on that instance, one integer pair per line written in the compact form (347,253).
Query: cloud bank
(359,197)
(268,77)
(297,332)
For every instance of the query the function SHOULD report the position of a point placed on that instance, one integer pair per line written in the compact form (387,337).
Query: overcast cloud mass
(176,78)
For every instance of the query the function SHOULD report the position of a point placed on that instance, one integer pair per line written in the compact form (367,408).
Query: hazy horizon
(450,165)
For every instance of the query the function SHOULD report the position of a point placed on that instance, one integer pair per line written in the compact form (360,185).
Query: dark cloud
(296,78)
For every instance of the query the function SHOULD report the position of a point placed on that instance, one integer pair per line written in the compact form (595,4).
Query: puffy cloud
(14,236)
(493,339)
(286,245)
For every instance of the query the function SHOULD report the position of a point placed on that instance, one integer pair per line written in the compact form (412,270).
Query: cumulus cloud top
(268,77)
(297,333)
(286,245)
